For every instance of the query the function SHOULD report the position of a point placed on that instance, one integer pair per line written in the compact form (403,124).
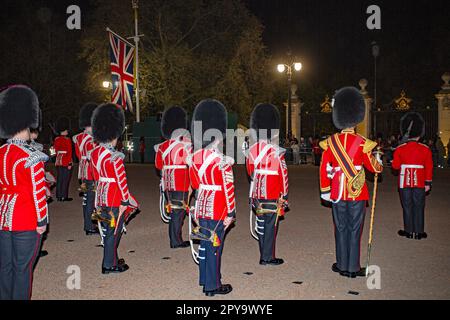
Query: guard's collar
(16,141)
(108,146)
(348,131)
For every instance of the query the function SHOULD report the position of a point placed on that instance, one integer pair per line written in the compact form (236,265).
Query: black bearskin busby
(412,125)
(85,116)
(349,108)
(62,124)
(108,122)
(264,117)
(213,115)
(19,110)
(172,119)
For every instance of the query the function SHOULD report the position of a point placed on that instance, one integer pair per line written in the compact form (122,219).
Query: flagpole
(136,41)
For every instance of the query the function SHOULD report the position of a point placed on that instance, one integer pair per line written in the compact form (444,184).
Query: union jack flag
(122,71)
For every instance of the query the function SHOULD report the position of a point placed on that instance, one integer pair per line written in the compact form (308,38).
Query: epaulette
(37,146)
(156,146)
(34,156)
(369,145)
(116,155)
(423,144)
(74,138)
(226,160)
(324,144)
(400,145)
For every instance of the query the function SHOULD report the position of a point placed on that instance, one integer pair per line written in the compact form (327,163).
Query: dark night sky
(330,38)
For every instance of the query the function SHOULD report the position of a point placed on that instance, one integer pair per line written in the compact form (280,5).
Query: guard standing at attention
(63,150)
(211,176)
(84,144)
(268,173)
(342,179)
(23,205)
(414,160)
(171,167)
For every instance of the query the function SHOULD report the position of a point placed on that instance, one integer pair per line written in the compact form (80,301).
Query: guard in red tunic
(211,176)
(23,205)
(63,150)
(415,163)
(342,179)
(84,144)
(113,199)
(171,167)
(267,170)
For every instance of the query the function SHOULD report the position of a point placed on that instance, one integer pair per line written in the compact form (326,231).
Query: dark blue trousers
(18,254)
(210,257)
(267,230)
(413,203)
(110,240)
(63,175)
(348,218)
(177,218)
(88,205)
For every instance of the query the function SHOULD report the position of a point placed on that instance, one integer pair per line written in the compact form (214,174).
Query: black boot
(403,233)
(43,253)
(273,262)
(343,273)
(223,289)
(116,269)
(420,236)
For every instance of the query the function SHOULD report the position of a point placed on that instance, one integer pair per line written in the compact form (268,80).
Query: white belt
(103,179)
(412,166)
(62,152)
(84,158)
(266,172)
(210,187)
(337,169)
(175,166)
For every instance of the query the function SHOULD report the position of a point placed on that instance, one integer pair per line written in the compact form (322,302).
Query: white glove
(326,196)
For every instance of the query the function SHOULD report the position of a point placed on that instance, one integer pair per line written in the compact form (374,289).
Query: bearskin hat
(172,119)
(412,125)
(108,122)
(19,110)
(264,117)
(85,116)
(349,108)
(213,115)
(62,124)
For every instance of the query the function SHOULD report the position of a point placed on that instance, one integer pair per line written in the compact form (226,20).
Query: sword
(372,216)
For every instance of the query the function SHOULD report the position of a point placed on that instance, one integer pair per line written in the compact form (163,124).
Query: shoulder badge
(34,156)
(116,155)
(324,144)
(369,145)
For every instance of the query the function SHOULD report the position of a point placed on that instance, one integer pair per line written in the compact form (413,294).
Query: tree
(192,49)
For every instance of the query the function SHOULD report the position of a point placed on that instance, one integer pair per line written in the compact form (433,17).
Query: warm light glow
(281,68)
(106,84)
(297,66)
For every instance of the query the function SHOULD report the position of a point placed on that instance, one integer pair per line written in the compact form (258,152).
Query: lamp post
(375,54)
(297,66)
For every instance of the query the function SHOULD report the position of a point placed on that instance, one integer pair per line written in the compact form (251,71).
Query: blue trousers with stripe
(210,257)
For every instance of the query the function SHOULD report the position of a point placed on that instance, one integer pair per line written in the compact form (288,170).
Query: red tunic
(109,172)
(171,156)
(84,144)
(63,149)
(211,174)
(266,165)
(333,179)
(415,162)
(23,203)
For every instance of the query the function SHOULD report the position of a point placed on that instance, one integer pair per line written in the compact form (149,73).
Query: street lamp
(297,66)
(106,84)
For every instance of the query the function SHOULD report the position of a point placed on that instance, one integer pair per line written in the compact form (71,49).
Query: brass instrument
(196,234)
(97,216)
